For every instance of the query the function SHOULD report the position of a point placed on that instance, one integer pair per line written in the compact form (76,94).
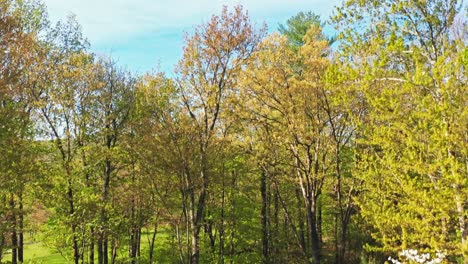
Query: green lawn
(37,252)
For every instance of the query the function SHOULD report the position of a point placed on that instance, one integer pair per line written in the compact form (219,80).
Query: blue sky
(143,34)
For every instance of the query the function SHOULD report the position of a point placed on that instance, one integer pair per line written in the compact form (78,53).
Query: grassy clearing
(38,253)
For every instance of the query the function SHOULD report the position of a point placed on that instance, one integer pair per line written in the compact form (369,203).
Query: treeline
(290,147)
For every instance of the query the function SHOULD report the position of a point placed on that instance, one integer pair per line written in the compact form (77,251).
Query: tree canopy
(259,148)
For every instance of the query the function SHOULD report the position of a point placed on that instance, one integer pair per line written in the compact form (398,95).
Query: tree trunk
(232,237)
(115,247)
(198,217)
(21,230)
(133,245)
(100,254)
(336,240)
(195,256)
(76,249)
(314,236)
(463,223)
(14,247)
(265,236)
(221,227)
(276,209)
(139,242)
(211,235)
(14,238)
(91,247)
(342,244)
(300,219)
(153,239)
(2,243)
(319,221)
(105,251)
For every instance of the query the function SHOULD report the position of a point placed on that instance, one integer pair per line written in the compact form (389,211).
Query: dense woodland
(289,147)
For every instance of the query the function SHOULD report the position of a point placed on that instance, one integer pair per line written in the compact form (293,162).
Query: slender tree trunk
(91,231)
(345,213)
(83,247)
(463,223)
(2,243)
(276,209)
(300,219)
(100,250)
(105,250)
(265,236)
(195,256)
(337,240)
(133,245)
(342,244)
(130,244)
(76,249)
(135,240)
(153,239)
(211,235)
(178,237)
(287,221)
(21,230)
(139,242)
(346,218)
(91,247)
(221,227)
(319,221)
(14,238)
(200,209)
(115,247)
(196,226)
(232,248)
(189,224)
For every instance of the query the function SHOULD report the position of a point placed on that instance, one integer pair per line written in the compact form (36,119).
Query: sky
(145,35)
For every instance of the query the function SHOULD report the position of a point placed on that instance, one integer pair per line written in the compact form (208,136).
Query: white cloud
(105,21)
(141,33)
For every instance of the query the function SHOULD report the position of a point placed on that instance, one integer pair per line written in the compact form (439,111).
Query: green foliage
(259,150)
(411,148)
(297,26)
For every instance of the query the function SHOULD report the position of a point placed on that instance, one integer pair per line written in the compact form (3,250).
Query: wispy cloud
(118,26)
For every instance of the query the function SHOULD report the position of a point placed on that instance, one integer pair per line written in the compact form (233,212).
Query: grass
(37,252)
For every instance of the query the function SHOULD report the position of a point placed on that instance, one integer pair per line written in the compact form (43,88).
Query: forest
(262,146)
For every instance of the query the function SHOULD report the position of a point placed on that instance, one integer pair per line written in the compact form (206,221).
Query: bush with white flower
(413,256)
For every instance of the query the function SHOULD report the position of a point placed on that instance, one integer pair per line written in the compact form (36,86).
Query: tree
(154,147)
(113,106)
(258,150)
(297,26)
(290,105)
(60,91)
(212,58)
(17,39)
(411,78)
